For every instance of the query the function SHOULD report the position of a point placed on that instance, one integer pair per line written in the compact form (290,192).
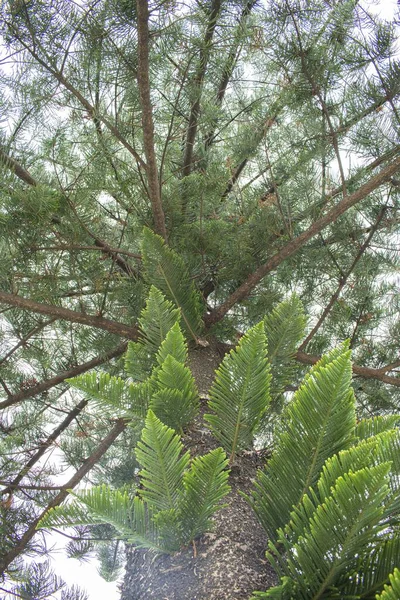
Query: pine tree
(172,176)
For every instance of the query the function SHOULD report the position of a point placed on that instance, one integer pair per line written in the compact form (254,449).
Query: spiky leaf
(159,452)
(328,536)
(173,344)
(175,399)
(369,427)
(239,395)
(166,270)
(392,591)
(318,423)
(284,328)
(205,484)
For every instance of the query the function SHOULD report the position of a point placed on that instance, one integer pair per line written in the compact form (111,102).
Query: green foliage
(166,270)
(174,399)
(284,328)
(174,503)
(319,422)
(392,591)
(158,453)
(239,395)
(321,539)
(156,320)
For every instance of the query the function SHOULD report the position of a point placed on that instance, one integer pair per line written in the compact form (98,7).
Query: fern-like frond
(205,484)
(392,591)
(159,453)
(93,506)
(239,395)
(328,535)
(284,328)
(156,319)
(318,422)
(128,399)
(175,399)
(166,270)
(372,569)
(369,427)
(175,345)
(68,515)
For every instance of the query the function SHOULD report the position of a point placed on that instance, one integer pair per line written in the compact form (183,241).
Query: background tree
(260,141)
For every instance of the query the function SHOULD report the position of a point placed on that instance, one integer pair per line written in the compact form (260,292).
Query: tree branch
(89,463)
(49,383)
(366,372)
(343,279)
(298,242)
(127,331)
(198,83)
(147,117)
(16,168)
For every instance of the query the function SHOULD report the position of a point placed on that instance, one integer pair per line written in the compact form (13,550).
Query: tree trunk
(226,564)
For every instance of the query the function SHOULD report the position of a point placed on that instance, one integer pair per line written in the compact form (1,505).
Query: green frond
(68,515)
(159,453)
(166,270)
(99,504)
(321,540)
(372,569)
(124,397)
(157,318)
(318,423)
(239,395)
(173,344)
(175,399)
(138,361)
(169,529)
(284,327)
(205,484)
(392,591)
(369,427)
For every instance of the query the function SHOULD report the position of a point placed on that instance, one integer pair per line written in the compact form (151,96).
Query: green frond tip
(205,484)
(370,427)
(175,345)
(318,423)
(119,395)
(175,399)
(284,328)
(392,591)
(159,453)
(157,318)
(166,270)
(239,395)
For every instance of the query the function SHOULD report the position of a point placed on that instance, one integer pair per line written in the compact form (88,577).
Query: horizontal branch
(298,242)
(16,168)
(89,463)
(366,372)
(57,379)
(127,331)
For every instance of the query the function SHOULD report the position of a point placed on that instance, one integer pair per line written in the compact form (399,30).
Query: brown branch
(127,331)
(343,280)
(50,383)
(44,447)
(16,168)
(229,66)
(298,242)
(366,372)
(198,83)
(67,247)
(147,117)
(89,463)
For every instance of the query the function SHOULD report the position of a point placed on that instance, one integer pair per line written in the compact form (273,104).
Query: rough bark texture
(226,564)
